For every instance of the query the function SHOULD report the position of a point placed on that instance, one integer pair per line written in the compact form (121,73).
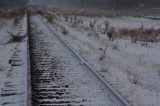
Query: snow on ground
(120,22)
(132,69)
(130,22)
(7,50)
(63,68)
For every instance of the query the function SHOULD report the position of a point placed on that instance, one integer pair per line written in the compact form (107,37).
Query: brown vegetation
(14,13)
(65,31)
(16,37)
(145,35)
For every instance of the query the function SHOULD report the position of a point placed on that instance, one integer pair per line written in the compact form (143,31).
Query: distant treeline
(13,3)
(105,4)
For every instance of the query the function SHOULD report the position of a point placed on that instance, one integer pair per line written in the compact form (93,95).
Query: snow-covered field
(13,72)
(133,69)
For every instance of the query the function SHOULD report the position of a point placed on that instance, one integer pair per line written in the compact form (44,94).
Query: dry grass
(73,16)
(112,34)
(145,35)
(1,68)
(106,13)
(103,54)
(115,47)
(17,21)
(93,34)
(105,69)
(12,13)
(64,31)
(2,22)
(16,37)
(49,19)
(134,78)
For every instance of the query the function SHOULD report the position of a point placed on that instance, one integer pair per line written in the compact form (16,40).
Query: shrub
(115,47)
(106,23)
(134,78)
(112,34)
(66,18)
(12,13)
(16,21)
(124,32)
(16,37)
(92,24)
(94,34)
(145,35)
(103,54)
(65,31)
(49,18)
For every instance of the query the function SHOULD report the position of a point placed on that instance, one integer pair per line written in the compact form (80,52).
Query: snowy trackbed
(14,89)
(59,77)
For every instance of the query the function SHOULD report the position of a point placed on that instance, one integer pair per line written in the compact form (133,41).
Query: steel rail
(29,95)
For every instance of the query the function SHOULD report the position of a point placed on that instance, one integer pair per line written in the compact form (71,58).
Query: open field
(132,68)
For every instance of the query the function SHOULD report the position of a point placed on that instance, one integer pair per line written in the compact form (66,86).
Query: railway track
(14,90)
(60,77)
